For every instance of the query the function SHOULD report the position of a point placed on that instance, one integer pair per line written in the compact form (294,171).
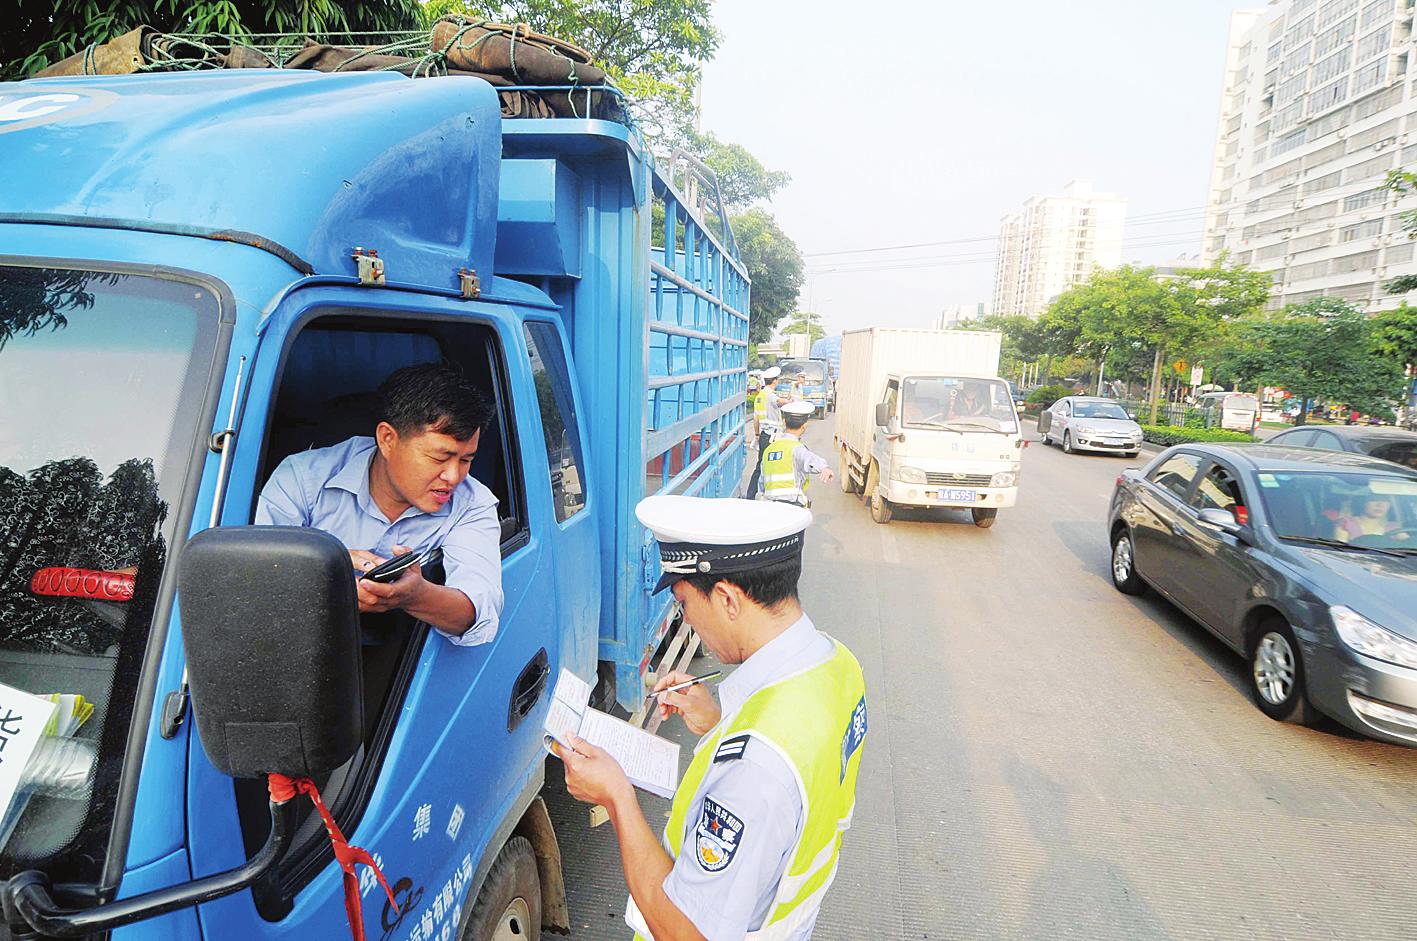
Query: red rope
(283,788)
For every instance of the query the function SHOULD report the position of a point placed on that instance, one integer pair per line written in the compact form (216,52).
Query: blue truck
(203,273)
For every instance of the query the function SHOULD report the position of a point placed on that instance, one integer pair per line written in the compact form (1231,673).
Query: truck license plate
(963,496)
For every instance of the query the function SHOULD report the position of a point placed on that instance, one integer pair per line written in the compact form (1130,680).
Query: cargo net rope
(536,76)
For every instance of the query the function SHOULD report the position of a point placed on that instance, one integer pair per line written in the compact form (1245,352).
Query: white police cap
(772,372)
(799,408)
(698,535)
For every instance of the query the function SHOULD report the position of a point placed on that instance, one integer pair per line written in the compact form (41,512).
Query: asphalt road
(1048,758)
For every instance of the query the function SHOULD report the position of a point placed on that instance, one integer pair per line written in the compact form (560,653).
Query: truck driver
(407,489)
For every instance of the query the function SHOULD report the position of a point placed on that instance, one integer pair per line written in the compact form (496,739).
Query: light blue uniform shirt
(328,489)
(761,791)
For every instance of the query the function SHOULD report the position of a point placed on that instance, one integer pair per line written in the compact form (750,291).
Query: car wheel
(1124,565)
(984,516)
(1068,443)
(880,508)
(1277,674)
(508,907)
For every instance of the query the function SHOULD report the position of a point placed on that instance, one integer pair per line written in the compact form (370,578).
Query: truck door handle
(527,690)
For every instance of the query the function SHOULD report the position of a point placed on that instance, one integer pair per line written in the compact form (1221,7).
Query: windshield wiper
(1340,544)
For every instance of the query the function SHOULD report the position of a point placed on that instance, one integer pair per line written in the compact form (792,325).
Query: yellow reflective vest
(816,720)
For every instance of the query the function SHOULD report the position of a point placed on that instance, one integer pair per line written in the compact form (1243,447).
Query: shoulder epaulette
(731,749)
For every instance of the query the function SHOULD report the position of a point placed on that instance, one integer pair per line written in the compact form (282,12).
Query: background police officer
(754,833)
(787,463)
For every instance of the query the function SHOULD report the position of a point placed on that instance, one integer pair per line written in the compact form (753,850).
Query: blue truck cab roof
(371,159)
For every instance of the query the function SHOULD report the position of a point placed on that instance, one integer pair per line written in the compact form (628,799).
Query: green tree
(45,31)
(775,266)
(1130,309)
(650,48)
(1322,350)
(742,179)
(805,321)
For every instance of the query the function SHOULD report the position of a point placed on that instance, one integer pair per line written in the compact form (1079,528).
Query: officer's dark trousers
(764,439)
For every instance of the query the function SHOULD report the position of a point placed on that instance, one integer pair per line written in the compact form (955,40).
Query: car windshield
(812,370)
(958,404)
(1084,409)
(1376,511)
(101,379)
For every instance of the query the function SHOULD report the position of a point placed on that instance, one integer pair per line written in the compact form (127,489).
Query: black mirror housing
(883,415)
(270,623)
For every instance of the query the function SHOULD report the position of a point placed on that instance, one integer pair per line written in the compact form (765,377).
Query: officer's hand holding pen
(695,704)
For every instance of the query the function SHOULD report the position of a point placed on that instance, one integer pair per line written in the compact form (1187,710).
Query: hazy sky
(923,121)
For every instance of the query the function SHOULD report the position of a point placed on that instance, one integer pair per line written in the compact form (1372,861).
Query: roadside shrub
(1166,435)
(1044,396)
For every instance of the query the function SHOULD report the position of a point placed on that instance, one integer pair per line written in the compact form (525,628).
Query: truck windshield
(102,377)
(958,404)
(812,370)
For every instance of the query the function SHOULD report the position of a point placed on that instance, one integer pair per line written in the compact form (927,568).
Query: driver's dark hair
(433,397)
(793,421)
(769,586)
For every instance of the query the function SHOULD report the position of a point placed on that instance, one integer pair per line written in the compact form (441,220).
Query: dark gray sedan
(1303,561)
(1390,444)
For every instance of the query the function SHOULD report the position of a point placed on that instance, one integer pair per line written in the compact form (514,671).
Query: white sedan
(1087,423)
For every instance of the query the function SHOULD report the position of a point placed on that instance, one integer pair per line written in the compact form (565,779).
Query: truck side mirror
(270,622)
(883,415)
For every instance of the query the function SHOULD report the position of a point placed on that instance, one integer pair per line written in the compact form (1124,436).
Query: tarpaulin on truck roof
(536,76)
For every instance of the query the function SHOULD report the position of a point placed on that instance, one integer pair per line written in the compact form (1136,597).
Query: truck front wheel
(984,516)
(509,906)
(880,508)
(843,469)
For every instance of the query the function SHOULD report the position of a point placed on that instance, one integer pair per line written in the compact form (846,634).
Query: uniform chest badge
(717,837)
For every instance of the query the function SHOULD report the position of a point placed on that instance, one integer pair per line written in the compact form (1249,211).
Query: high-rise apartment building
(1054,243)
(1316,109)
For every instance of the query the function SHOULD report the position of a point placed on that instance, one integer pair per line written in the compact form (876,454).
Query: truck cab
(945,440)
(816,386)
(201,274)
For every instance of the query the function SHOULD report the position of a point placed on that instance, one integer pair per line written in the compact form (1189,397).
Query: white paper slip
(650,762)
(22,721)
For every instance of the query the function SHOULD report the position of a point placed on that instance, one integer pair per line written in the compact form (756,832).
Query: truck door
(880,443)
(453,743)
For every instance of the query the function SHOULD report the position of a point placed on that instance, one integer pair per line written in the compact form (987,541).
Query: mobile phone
(390,570)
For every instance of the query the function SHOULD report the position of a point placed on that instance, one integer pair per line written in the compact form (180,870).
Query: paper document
(650,762)
(23,718)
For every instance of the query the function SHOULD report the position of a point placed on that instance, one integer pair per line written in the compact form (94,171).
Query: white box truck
(923,420)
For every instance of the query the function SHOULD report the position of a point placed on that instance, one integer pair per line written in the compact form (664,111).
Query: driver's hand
(376,597)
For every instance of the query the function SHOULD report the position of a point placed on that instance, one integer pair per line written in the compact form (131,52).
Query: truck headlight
(1370,640)
(910,475)
(1004,479)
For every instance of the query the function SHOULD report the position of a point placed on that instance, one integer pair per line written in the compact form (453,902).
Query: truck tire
(509,906)
(984,516)
(880,508)
(848,484)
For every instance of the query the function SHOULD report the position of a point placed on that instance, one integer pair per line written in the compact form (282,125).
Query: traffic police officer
(754,832)
(768,411)
(787,463)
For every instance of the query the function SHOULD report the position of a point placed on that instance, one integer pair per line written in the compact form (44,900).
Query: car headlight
(1370,640)
(910,475)
(1004,479)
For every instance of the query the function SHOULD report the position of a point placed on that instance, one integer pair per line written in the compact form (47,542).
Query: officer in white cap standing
(768,411)
(754,833)
(787,463)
